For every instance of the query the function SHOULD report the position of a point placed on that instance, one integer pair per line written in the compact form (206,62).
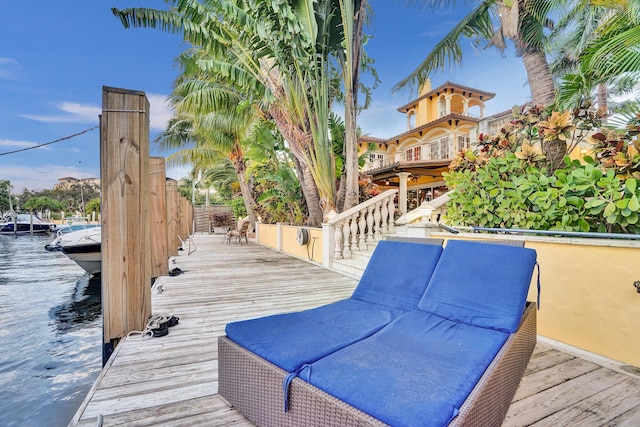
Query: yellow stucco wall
(588,299)
(268,235)
(312,251)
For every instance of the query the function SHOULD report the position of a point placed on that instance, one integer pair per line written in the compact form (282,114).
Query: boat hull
(7,228)
(24,224)
(84,247)
(91,262)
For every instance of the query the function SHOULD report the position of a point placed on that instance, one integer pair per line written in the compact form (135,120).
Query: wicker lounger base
(254,387)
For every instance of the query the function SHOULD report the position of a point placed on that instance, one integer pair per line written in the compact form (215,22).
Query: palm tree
(285,50)
(354,14)
(615,49)
(609,57)
(574,32)
(521,21)
(218,133)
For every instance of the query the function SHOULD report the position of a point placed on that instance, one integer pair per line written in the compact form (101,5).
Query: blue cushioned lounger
(393,283)
(419,369)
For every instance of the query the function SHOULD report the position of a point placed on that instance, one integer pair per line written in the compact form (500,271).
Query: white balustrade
(366,223)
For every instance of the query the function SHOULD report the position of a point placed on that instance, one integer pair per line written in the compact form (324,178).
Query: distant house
(440,122)
(70,182)
(66,182)
(92,182)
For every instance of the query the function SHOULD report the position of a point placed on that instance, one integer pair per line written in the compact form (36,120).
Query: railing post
(392,212)
(354,233)
(376,219)
(346,251)
(328,244)
(362,224)
(338,238)
(384,212)
(370,238)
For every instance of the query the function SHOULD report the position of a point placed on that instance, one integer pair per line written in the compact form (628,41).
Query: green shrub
(510,183)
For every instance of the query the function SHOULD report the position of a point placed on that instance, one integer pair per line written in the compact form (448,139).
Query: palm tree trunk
(543,93)
(555,152)
(240,167)
(352,84)
(603,104)
(297,140)
(342,190)
(539,75)
(310,193)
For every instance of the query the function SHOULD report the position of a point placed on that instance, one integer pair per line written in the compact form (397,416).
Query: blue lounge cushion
(291,340)
(480,284)
(393,282)
(397,274)
(418,370)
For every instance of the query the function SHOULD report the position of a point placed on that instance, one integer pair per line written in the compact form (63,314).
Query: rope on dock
(157,326)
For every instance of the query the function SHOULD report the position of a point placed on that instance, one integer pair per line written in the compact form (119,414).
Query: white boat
(82,246)
(24,224)
(73,223)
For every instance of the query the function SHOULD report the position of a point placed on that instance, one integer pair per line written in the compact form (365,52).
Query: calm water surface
(50,333)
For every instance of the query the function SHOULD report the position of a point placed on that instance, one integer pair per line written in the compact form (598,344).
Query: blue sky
(56,56)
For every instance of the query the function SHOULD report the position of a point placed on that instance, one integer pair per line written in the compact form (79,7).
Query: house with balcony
(440,122)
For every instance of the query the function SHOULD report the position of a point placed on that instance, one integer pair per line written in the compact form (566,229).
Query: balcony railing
(433,150)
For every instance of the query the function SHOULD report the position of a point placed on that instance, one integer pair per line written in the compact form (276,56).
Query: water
(50,333)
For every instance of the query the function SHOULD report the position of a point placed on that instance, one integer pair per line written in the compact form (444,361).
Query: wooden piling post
(184,218)
(124,168)
(192,225)
(158,206)
(173,242)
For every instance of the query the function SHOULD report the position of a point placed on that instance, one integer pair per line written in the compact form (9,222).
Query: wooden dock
(172,380)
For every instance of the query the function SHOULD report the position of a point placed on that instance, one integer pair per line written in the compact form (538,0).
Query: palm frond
(448,52)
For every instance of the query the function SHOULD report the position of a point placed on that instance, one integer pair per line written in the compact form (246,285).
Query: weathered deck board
(173,380)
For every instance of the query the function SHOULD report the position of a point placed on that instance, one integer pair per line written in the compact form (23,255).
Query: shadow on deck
(173,380)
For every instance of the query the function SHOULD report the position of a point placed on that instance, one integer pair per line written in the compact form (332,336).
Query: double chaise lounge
(430,337)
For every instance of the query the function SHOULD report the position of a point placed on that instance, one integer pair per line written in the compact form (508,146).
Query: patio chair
(455,360)
(239,232)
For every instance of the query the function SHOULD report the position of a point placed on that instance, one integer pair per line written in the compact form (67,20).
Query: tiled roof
(486,95)
(452,116)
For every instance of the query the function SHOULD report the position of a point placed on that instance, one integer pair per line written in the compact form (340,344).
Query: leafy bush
(508,184)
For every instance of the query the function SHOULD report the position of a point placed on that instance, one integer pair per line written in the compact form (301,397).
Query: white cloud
(9,68)
(73,112)
(178,172)
(70,112)
(41,177)
(160,112)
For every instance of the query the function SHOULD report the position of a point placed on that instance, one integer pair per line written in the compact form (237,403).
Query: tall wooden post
(124,168)
(158,205)
(173,242)
(184,218)
(192,225)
